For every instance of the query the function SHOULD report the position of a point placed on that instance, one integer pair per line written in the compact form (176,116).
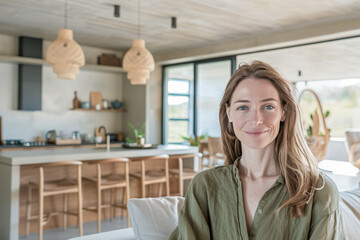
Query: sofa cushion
(154,218)
(122,234)
(350,206)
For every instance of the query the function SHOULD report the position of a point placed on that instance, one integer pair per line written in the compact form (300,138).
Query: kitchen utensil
(76,135)
(98,139)
(105,103)
(95,98)
(113,137)
(117,104)
(85,105)
(50,136)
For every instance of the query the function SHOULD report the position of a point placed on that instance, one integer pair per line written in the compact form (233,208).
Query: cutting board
(95,98)
(67,141)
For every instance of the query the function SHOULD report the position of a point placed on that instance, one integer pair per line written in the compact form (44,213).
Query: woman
(271,187)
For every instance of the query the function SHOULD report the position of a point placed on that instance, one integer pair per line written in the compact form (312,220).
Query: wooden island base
(55,204)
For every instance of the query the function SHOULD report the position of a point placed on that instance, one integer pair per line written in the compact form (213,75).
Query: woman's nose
(256,117)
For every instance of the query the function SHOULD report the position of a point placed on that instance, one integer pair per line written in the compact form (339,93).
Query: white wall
(154,105)
(57,98)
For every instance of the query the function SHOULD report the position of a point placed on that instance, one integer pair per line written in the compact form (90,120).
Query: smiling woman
(271,187)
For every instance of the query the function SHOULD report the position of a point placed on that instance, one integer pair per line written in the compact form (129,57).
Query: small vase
(76,101)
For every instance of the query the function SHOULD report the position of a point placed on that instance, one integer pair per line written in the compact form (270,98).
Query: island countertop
(17,158)
(12,161)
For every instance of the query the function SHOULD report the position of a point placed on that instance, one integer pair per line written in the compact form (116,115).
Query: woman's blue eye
(242,108)
(269,107)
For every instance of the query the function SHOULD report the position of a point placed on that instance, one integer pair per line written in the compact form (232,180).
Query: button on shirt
(214,209)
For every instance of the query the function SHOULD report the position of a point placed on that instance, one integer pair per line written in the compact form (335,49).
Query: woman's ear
(228,113)
(283,115)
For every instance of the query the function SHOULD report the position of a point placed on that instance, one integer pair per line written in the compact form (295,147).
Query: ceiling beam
(303,34)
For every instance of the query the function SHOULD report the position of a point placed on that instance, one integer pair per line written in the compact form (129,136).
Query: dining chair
(353,141)
(215,151)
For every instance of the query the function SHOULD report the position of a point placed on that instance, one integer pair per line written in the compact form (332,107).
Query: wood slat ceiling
(200,23)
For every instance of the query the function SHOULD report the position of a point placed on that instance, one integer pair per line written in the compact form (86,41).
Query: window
(178,100)
(191,99)
(340,97)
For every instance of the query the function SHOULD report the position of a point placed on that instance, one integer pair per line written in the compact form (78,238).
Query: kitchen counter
(6,148)
(11,162)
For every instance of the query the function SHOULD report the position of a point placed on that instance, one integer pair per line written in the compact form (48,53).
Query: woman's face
(255,111)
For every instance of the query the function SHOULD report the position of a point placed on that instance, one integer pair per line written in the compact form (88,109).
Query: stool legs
(98,198)
(28,210)
(65,210)
(80,202)
(41,202)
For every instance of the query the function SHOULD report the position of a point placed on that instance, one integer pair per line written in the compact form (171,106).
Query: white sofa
(155,218)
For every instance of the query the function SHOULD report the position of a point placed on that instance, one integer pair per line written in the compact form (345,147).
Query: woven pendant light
(138,61)
(64,54)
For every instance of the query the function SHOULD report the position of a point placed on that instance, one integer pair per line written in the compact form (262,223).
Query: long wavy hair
(294,158)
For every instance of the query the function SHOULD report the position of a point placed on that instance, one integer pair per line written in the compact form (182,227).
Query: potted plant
(138,134)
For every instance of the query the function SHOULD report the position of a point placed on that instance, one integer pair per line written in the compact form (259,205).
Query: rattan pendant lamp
(64,54)
(138,61)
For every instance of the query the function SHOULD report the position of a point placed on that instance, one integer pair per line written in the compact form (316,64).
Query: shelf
(102,110)
(38,61)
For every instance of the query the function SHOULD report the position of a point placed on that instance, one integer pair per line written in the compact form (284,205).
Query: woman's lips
(255,133)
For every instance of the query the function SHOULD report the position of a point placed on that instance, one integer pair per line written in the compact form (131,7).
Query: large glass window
(178,103)
(192,94)
(212,78)
(340,97)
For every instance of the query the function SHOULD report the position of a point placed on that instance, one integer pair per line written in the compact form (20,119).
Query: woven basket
(317,143)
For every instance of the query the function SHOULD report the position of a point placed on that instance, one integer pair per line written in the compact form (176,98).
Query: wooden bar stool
(183,173)
(53,187)
(110,181)
(153,176)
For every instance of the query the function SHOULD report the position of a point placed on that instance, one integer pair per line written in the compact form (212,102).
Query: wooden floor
(344,175)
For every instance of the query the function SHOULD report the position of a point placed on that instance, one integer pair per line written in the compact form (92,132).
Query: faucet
(106,135)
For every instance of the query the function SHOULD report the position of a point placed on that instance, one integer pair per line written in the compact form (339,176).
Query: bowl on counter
(117,104)
(85,105)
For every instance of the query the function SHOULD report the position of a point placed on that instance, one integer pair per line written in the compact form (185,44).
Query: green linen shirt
(214,209)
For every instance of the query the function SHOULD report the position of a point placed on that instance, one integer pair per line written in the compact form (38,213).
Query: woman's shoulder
(326,197)
(212,175)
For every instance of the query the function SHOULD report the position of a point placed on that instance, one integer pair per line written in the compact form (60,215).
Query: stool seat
(55,187)
(109,179)
(187,173)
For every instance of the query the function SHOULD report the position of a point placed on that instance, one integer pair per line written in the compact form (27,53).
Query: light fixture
(138,61)
(64,54)
(173,22)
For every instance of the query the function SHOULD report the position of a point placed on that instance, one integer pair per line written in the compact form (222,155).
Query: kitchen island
(10,174)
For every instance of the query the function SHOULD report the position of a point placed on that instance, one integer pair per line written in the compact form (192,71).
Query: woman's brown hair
(294,158)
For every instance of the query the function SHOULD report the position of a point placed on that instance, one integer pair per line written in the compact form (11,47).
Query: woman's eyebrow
(263,100)
(268,100)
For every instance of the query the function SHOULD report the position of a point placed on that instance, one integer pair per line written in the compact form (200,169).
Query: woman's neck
(258,163)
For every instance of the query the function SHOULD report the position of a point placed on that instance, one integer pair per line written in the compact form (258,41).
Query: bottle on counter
(76,101)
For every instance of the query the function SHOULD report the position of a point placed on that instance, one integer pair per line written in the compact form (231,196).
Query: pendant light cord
(65,14)
(138,19)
